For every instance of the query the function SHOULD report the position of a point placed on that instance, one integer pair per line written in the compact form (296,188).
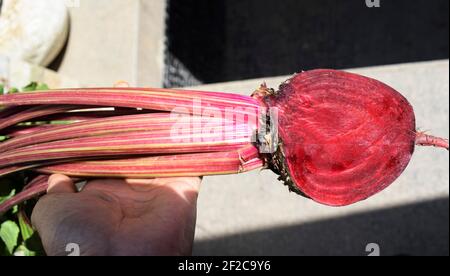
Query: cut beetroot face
(344,137)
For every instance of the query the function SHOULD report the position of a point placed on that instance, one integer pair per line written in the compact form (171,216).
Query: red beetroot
(344,137)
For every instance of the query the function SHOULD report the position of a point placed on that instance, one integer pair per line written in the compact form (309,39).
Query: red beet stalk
(336,137)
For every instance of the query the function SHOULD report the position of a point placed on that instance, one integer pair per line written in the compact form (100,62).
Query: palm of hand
(119,217)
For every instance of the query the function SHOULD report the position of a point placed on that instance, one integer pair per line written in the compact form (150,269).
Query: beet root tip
(423,139)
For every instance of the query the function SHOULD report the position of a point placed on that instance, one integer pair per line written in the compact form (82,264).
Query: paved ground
(113,40)
(255,214)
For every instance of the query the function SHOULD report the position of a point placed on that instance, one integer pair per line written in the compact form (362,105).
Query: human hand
(119,217)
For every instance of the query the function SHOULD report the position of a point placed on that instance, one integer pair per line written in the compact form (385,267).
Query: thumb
(59,184)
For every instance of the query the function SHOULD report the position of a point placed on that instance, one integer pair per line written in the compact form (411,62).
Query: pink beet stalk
(423,139)
(104,126)
(181,165)
(33,112)
(336,137)
(35,188)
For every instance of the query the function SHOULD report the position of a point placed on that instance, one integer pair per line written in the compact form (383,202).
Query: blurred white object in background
(4,72)
(33,31)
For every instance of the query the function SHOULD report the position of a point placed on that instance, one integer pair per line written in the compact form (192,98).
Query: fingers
(190,183)
(193,183)
(59,184)
(185,188)
(122,84)
(163,181)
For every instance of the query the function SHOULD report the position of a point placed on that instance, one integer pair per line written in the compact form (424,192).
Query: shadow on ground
(418,229)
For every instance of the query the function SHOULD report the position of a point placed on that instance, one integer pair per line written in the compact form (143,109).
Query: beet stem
(423,139)
(34,189)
